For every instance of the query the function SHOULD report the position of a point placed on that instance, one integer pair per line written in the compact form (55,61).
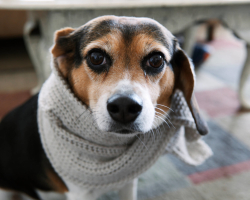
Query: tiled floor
(226,175)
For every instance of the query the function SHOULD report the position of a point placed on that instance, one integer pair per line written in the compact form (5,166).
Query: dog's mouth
(125,131)
(129,129)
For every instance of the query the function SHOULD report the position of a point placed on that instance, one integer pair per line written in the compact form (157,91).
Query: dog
(125,70)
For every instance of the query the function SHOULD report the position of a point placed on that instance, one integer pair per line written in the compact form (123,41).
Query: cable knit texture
(90,158)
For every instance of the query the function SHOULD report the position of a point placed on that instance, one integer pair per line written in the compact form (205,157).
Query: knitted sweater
(91,158)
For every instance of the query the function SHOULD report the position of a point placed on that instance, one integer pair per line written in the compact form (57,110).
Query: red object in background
(219,102)
(9,101)
(218,173)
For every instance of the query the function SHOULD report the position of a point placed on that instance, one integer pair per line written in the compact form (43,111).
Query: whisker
(164,112)
(142,141)
(165,106)
(163,120)
(167,118)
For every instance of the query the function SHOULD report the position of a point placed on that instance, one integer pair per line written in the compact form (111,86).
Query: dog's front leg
(129,191)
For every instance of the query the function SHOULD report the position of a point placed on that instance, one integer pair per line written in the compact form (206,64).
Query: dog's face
(126,70)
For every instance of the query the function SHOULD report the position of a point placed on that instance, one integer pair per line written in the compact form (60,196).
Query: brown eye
(156,61)
(97,58)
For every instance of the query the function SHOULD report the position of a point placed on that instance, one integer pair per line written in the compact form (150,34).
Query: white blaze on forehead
(124,85)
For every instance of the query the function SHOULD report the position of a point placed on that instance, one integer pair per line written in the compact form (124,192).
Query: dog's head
(126,70)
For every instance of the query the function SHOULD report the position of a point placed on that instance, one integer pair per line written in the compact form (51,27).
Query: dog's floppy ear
(185,81)
(64,49)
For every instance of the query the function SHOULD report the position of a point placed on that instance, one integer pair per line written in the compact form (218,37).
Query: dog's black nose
(124,109)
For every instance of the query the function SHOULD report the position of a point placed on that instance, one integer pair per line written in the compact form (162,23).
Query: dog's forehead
(129,27)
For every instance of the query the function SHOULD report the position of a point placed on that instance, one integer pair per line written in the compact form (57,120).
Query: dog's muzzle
(124,108)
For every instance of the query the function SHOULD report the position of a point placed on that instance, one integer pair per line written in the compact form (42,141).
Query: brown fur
(185,81)
(127,41)
(58,185)
(125,64)
(57,50)
(62,56)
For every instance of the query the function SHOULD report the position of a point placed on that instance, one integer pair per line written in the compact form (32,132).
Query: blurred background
(219,57)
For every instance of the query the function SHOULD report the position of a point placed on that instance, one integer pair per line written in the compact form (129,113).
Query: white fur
(144,120)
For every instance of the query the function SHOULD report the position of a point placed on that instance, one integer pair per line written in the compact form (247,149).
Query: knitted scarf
(91,158)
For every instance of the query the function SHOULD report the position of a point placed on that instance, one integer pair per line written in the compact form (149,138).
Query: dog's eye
(97,58)
(155,61)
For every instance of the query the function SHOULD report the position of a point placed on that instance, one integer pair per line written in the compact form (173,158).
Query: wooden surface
(101,4)
(11,23)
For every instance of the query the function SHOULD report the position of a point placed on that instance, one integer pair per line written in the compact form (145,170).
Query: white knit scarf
(90,158)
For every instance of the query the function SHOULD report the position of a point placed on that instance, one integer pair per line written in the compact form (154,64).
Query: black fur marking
(178,59)
(89,34)
(22,158)
(175,42)
(79,39)
(65,43)
(128,31)
(156,32)
(101,29)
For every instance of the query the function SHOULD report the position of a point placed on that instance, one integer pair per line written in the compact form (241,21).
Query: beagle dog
(123,69)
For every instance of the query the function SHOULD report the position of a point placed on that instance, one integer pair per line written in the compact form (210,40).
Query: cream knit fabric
(90,158)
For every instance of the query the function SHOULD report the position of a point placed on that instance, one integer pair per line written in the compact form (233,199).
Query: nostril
(113,108)
(124,108)
(134,109)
